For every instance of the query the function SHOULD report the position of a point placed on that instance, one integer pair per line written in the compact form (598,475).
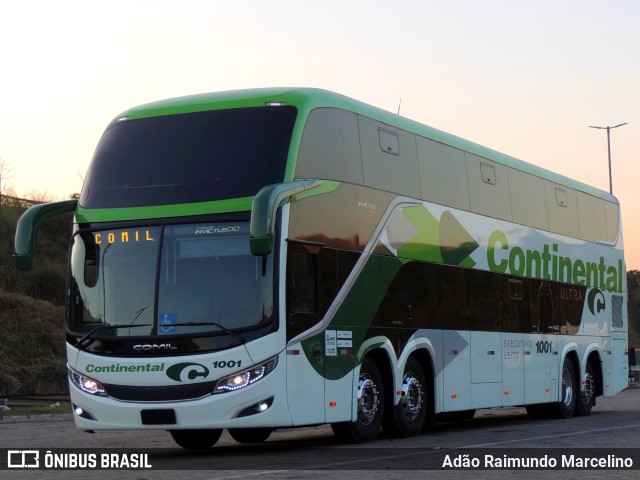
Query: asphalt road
(313,453)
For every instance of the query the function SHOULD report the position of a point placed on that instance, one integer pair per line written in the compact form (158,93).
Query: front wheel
(250,435)
(196,439)
(370,407)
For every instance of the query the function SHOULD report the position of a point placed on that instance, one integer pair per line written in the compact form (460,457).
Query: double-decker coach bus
(271,258)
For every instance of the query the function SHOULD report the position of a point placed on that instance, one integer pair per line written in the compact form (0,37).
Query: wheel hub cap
(368,400)
(412,398)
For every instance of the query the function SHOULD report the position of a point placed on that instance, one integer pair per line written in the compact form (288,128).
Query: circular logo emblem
(185,372)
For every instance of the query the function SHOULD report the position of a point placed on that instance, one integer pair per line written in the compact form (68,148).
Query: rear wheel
(408,416)
(587,395)
(196,439)
(250,435)
(568,394)
(567,405)
(370,407)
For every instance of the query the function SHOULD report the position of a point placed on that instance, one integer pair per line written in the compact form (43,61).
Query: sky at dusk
(526,78)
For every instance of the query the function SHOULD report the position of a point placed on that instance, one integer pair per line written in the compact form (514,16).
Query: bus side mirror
(263,212)
(27,229)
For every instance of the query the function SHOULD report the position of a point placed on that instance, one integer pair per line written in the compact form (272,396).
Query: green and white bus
(272,258)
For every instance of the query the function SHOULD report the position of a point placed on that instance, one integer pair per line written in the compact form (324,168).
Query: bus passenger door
(540,367)
(515,319)
(305,360)
(541,346)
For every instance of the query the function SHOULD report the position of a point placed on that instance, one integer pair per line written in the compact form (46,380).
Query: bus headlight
(246,377)
(87,384)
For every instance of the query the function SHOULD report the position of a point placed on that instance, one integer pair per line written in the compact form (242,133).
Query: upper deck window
(191,157)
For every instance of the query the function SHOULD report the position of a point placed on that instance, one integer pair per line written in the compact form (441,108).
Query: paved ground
(313,453)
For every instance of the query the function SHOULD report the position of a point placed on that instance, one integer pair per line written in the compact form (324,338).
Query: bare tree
(6,172)
(39,196)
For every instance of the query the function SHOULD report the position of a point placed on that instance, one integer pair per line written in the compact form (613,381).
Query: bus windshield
(190,157)
(196,279)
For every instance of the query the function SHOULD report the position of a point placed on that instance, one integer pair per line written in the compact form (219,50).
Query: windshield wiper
(88,340)
(226,330)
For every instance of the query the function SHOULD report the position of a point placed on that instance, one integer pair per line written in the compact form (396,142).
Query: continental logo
(187,371)
(418,234)
(183,372)
(117,368)
(549,264)
(180,372)
(596,301)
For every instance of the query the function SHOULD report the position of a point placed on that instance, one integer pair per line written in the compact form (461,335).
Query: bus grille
(164,393)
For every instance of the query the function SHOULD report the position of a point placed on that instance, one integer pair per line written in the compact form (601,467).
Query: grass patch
(31,347)
(65,407)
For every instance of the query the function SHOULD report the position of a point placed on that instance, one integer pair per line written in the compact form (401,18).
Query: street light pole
(608,129)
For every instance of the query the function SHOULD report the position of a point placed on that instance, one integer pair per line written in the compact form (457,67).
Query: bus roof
(307,99)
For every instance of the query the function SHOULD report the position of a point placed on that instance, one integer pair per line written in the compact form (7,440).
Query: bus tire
(408,417)
(250,435)
(196,439)
(587,395)
(569,391)
(370,407)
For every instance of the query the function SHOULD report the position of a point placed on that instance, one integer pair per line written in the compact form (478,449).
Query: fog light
(261,406)
(81,412)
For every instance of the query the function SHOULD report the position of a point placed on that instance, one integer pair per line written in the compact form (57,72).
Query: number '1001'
(226,363)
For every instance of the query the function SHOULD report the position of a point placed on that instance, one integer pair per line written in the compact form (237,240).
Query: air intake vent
(616,311)
(167,393)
